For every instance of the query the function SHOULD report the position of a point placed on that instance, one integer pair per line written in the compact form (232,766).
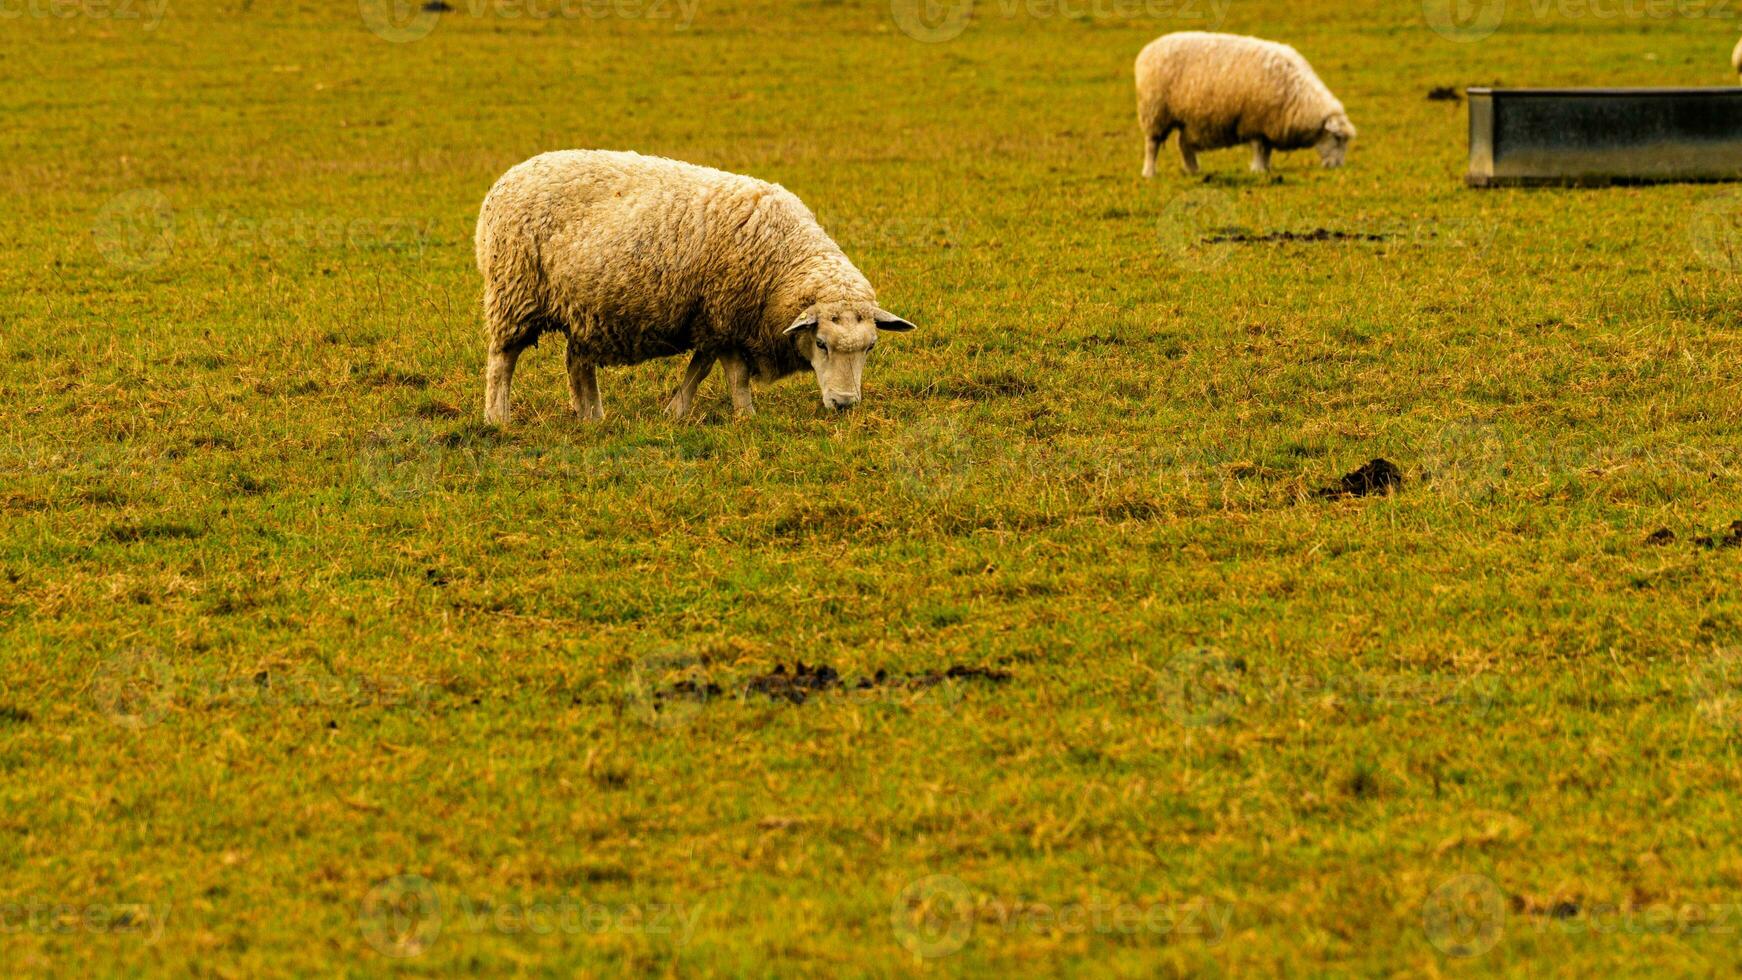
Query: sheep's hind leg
(1188,155)
(1260,157)
(738,379)
(499,380)
(680,403)
(1151,145)
(583,385)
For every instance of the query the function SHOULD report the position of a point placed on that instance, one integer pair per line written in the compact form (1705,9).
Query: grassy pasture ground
(307,669)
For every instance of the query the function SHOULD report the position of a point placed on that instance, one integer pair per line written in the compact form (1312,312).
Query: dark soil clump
(805,680)
(1731,538)
(956,673)
(687,690)
(1316,235)
(797,686)
(1377,476)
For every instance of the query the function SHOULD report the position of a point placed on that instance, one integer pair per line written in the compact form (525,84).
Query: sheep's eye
(822,347)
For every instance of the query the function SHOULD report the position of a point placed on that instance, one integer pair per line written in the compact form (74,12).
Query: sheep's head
(1333,144)
(837,337)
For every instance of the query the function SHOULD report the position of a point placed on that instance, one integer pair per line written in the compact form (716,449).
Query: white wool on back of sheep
(1221,90)
(633,257)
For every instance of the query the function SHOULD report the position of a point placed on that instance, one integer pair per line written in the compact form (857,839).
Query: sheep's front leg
(584,385)
(1151,146)
(680,403)
(1260,157)
(738,379)
(498,381)
(1188,155)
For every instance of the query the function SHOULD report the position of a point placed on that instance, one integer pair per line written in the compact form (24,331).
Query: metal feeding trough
(1586,136)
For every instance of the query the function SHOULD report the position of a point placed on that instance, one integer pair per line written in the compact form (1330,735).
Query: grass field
(307,670)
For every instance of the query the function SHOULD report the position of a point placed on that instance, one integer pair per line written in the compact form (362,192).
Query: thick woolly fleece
(1223,90)
(637,257)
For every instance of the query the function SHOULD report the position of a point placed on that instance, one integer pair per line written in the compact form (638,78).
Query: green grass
(283,621)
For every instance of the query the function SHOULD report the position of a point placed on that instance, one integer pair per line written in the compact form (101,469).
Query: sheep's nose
(841,403)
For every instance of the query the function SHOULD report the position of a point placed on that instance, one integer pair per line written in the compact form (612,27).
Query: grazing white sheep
(634,257)
(1736,58)
(1221,90)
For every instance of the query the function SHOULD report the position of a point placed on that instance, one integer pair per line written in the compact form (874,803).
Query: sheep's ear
(889,321)
(806,321)
(1339,125)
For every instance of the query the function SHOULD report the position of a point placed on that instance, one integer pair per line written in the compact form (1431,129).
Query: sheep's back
(634,256)
(1227,89)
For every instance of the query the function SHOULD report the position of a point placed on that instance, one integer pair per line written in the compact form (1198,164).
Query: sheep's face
(837,337)
(1333,144)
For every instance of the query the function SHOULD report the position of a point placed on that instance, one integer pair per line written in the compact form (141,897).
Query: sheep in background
(1736,58)
(634,257)
(1221,90)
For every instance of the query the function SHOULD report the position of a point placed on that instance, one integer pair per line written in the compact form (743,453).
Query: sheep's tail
(511,262)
